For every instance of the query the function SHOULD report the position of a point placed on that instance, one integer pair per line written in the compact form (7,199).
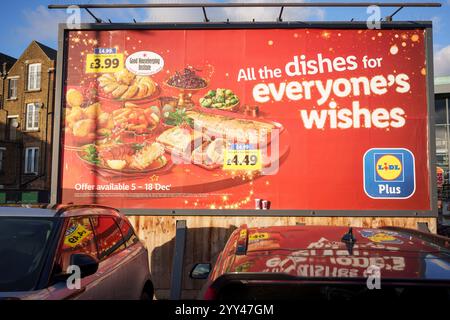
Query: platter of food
(201,172)
(221,99)
(126,86)
(187,79)
(118,137)
(130,159)
(202,138)
(100,123)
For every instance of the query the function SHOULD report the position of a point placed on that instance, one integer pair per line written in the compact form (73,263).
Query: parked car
(328,262)
(39,247)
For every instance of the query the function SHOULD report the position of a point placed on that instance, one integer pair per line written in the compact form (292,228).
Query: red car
(327,262)
(41,248)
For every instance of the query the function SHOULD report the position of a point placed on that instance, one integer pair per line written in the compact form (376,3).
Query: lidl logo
(389,167)
(389,173)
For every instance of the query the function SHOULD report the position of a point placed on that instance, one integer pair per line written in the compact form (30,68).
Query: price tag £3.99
(104,63)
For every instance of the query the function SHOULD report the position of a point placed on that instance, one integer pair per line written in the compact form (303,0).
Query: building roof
(442,80)
(4,58)
(442,85)
(50,52)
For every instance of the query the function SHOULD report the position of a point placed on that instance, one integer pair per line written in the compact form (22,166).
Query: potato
(93,110)
(103,119)
(116,164)
(74,98)
(74,115)
(82,128)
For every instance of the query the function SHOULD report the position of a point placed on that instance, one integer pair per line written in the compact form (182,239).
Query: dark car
(328,263)
(43,250)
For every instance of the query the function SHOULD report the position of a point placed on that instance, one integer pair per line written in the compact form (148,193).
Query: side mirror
(88,265)
(200,271)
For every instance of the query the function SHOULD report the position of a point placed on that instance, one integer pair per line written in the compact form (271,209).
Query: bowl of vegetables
(221,99)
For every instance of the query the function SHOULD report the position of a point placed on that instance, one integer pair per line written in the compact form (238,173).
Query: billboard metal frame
(384,25)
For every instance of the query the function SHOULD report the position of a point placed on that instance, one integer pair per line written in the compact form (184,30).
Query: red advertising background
(319,169)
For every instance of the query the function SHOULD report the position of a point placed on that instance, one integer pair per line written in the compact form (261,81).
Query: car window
(109,237)
(24,244)
(78,238)
(127,232)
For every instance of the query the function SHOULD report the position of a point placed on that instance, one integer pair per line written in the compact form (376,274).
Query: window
(2,157)
(12,88)
(109,237)
(78,238)
(441,139)
(127,232)
(13,124)
(34,76)
(24,244)
(31,160)
(441,114)
(32,116)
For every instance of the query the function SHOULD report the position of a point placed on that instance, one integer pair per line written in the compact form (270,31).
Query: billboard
(311,119)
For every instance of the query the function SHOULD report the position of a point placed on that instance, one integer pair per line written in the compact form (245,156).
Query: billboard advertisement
(226,119)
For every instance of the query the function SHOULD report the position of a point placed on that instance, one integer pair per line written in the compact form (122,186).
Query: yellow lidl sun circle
(389,167)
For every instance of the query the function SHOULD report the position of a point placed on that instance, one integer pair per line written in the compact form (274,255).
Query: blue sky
(23,21)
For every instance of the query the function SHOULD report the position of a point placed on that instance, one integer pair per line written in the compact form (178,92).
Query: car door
(114,260)
(78,237)
(136,267)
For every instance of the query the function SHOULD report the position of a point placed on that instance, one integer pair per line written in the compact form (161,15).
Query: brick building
(6,62)
(26,117)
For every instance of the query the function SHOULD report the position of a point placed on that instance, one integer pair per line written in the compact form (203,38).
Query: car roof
(26,212)
(58,211)
(315,237)
(314,251)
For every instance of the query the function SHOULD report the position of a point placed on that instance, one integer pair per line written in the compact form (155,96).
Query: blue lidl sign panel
(389,173)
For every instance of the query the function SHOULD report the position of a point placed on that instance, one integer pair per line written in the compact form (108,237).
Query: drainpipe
(49,129)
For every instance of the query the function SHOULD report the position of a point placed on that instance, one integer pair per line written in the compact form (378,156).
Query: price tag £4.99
(104,63)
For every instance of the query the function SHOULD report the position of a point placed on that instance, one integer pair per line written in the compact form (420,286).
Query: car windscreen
(23,245)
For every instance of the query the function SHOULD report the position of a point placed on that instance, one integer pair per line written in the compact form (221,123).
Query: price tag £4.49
(242,159)
(75,235)
(104,63)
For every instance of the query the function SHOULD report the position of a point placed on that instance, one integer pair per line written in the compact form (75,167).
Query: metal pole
(176,283)
(243,4)
(204,14)
(281,13)
(389,18)
(98,20)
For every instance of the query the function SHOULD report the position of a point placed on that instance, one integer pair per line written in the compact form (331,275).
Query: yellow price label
(258,236)
(242,160)
(75,235)
(104,63)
